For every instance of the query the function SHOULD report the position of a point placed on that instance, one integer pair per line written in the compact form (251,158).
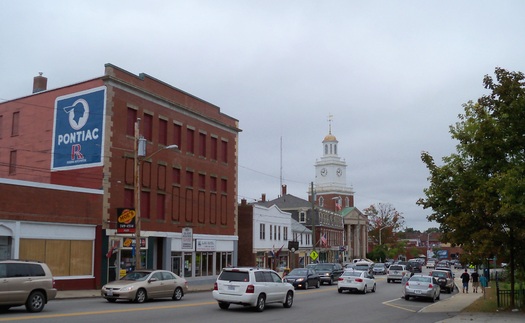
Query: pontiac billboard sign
(78,135)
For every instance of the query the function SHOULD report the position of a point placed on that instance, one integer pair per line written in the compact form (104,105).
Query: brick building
(67,171)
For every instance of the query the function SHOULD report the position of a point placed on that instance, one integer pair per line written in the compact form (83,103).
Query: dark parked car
(415,267)
(329,272)
(303,278)
(379,269)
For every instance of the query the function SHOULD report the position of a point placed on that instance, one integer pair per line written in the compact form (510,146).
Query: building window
(12,162)
(189,178)
(347,201)
(285,233)
(224,151)
(262,231)
(302,217)
(270,231)
(326,149)
(177,135)
(163,132)
(202,144)
(176,176)
(279,232)
(130,122)
(213,148)
(202,181)
(274,232)
(213,184)
(224,185)
(321,201)
(148,127)
(16,118)
(144,204)
(190,147)
(161,206)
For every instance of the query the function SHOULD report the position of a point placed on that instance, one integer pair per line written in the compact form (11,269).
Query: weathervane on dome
(330,118)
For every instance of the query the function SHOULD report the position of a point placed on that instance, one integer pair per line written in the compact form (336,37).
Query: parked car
(253,287)
(423,286)
(457,264)
(145,284)
(396,272)
(443,263)
(28,283)
(379,269)
(356,281)
(303,278)
(329,272)
(444,279)
(448,269)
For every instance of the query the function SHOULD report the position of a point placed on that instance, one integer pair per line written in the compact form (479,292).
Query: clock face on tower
(324,171)
(339,172)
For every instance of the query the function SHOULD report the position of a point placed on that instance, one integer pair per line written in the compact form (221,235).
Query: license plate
(109,293)
(418,291)
(349,280)
(395,272)
(231,287)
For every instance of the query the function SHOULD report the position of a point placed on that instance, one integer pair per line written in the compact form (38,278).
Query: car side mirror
(154,279)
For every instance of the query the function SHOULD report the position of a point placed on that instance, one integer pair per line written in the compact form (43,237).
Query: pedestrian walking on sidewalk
(475,281)
(484,283)
(465,278)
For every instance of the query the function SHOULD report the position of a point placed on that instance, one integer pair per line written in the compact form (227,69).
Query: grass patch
(487,303)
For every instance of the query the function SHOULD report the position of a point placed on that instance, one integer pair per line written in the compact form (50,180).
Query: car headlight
(127,288)
(327,274)
(299,279)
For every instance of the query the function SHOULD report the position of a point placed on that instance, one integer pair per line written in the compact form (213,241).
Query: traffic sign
(314,255)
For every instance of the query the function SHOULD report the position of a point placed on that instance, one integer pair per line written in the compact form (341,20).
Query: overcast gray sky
(394,75)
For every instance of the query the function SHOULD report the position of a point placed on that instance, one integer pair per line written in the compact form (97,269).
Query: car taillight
(430,286)
(53,282)
(359,280)
(250,289)
(215,287)
(407,284)
(340,279)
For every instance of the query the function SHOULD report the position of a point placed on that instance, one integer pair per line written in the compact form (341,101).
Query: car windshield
(379,265)
(323,267)
(393,267)
(136,276)
(439,274)
(298,272)
(234,276)
(361,267)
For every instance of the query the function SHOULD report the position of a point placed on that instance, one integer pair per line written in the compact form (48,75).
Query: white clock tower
(331,190)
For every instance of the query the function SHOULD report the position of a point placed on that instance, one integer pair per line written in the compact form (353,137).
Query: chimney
(283,190)
(263,197)
(39,83)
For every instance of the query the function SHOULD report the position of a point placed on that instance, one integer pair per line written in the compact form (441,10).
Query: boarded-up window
(163,132)
(131,118)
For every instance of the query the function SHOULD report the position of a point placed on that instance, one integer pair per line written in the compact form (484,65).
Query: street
(313,305)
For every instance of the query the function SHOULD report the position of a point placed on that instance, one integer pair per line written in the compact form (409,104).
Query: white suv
(396,272)
(251,287)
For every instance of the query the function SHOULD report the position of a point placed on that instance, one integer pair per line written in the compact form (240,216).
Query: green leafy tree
(383,219)
(478,195)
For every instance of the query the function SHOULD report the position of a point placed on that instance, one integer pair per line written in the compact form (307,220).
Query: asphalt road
(314,305)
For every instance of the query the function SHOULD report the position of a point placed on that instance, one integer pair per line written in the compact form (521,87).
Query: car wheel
(306,285)
(339,290)
(388,281)
(111,300)
(330,281)
(224,305)
(407,297)
(365,289)
(374,289)
(433,299)
(288,302)
(35,302)
(141,296)
(318,284)
(261,303)
(177,294)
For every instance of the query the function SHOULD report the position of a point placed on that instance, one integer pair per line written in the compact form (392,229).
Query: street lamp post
(139,156)
(381,229)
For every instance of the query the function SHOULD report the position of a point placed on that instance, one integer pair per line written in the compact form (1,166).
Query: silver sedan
(422,286)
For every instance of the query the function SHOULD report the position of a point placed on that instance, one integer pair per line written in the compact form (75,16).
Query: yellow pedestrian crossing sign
(314,255)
